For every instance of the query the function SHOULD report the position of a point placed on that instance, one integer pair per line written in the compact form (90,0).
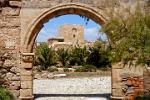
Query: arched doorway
(32,26)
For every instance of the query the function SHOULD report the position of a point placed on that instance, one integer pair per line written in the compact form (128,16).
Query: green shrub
(5,94)
(52,69)
(66,70)
(38,68)
(141,98)
(86,68)
(78,56)
(45,56)
(98,57)
(80,70)
(63,56)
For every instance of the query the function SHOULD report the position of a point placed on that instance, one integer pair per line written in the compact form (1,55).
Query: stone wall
(10,44)
(20,22)
(10,72)
(127,81)
(147,83)
(132,87)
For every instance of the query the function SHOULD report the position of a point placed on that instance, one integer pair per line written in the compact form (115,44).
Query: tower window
(74,35)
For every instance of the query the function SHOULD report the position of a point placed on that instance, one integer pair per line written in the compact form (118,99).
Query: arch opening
(74,30)
(37,25)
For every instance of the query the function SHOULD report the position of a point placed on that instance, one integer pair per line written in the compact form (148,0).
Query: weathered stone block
(8,64)
(26,65)
(26,78)
(118,66)
(8,11)
(26,93)
(16,93)
(25,72)
(15,3)
(117,92)
(10,21)
(15,85)
(26,84)
(10,31)
(15,78)
(27,57)
(15,69)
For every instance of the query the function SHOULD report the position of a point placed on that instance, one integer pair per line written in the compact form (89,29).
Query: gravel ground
(90,88)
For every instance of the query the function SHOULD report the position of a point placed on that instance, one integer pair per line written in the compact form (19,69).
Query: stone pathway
(90,88)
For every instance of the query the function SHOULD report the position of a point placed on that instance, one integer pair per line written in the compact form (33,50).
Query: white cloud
(91,34)
(44,34)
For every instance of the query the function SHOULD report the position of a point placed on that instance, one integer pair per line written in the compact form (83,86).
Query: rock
(3,71)
(129,82)
(9,75)
(60,69)
(12,77)
(50,76)
(8,11)
(15,70)
(130,90)
(8,64)
(3,75)
(72,69)
(37,76)
(16,93)
(53,67)
(59,65)
(15,78)
(44,75)
(15,85)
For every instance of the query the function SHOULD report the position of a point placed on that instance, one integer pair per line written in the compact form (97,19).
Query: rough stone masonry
(20,22)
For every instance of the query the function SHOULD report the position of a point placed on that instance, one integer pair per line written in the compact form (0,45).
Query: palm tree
(63,56)
(45,56)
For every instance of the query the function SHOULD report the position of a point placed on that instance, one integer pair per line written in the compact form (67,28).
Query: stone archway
(72,8)
(35,26)
(21,20)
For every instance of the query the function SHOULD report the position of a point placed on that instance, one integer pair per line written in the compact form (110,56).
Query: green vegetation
(95,56)
(86,68)
(78,56)
(5,94)
(98,56)
(45,56)
(66,70)
(51,69)
(141,98)
(129,37)
(63,56)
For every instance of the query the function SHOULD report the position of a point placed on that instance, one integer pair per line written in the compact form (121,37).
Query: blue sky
(91,30)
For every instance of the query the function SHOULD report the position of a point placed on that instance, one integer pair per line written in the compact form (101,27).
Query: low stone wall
(127,81)
(132,87)
(10,73)
(147,83)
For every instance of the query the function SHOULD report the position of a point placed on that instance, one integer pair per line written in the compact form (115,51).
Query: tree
(99,56)
(129,36)
(45,56)
(63,56)
(78,55)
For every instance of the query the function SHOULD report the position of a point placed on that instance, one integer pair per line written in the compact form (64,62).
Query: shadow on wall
(106,95)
